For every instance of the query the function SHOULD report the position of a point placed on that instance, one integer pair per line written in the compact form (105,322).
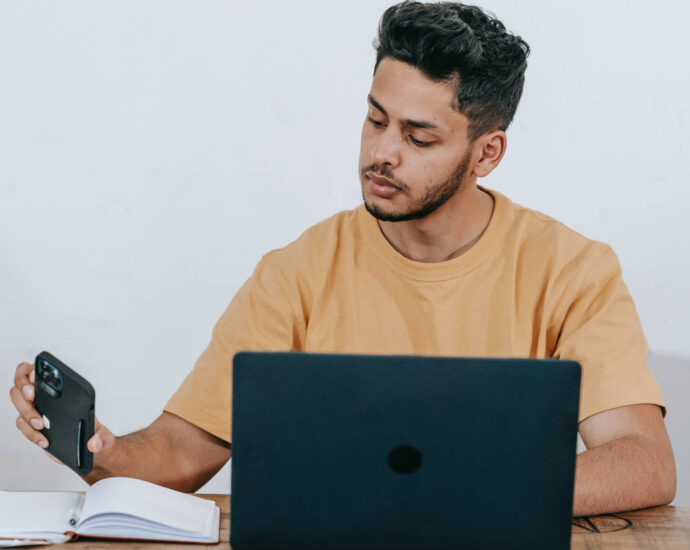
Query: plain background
(152,151)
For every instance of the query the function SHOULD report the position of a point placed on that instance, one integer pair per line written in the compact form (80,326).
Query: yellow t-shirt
(529,287)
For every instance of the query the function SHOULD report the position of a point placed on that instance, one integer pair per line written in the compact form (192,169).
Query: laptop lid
(382,452)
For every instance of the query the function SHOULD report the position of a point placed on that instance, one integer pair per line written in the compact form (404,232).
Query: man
(431,263)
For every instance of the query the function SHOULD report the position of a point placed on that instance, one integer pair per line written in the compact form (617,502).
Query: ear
(489,149)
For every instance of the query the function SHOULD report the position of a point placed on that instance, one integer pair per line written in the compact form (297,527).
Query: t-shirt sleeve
(260,317)
(602,331)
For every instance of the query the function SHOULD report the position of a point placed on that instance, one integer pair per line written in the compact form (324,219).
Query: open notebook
(115,507)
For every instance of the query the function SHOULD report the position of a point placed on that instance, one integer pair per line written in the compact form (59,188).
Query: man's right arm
(170,452)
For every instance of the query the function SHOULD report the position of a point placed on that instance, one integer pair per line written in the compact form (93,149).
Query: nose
(386,149)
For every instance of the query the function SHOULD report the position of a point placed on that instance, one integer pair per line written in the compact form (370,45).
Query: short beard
(432,200)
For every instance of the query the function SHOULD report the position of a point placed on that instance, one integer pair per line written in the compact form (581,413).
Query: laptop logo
(405,459)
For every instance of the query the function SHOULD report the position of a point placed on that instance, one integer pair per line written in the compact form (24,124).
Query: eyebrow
(407,122)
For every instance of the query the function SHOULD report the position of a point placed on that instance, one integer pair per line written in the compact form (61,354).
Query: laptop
(402,452)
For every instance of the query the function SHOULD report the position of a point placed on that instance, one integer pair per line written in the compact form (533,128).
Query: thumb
(102,438)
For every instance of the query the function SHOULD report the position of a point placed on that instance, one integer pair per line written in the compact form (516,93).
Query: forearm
(170,452)
(147,454)
(623,474)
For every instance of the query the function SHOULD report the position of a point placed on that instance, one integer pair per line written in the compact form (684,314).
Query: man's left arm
(628,463)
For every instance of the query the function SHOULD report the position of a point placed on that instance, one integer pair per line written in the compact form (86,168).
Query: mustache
(384,173)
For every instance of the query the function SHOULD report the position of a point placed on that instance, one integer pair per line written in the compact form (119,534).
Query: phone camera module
(51,377)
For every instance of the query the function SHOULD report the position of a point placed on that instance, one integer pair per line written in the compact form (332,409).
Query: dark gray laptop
(381,452)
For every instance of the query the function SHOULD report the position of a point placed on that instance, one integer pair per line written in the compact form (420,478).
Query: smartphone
(66,402)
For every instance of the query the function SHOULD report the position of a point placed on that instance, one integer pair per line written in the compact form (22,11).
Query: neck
(447,232)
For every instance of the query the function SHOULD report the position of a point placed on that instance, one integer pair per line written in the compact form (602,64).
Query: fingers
(24,378)
(22,395)
(21,374)
(102,438)
(25,408)
(35,437)
(32,435)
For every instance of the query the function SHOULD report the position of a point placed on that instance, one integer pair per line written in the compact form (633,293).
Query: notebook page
(53,539)
(120,495)
(37,514)
(130,527)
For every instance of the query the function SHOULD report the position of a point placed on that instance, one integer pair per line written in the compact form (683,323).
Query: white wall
(151,152)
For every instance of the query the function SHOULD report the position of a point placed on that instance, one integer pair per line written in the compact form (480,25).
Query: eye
(420,143)
(414,141)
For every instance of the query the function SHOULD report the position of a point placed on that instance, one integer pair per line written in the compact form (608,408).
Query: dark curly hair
(462,44)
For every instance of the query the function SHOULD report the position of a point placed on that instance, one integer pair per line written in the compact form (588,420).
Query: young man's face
(415,139)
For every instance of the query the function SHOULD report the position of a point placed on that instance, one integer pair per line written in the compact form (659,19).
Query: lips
(378,180)
(382,187)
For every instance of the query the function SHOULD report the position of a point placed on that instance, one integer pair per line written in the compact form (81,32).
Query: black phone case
(71,416)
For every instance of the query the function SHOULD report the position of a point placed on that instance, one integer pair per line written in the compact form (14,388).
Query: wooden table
(662,528)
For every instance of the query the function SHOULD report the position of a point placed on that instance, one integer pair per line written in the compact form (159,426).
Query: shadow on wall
(673,374)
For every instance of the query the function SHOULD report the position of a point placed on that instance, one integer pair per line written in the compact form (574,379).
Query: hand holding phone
(30,422)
